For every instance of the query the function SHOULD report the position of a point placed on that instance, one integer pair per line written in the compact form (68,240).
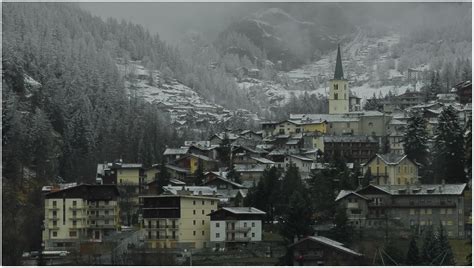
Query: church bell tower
(338,89)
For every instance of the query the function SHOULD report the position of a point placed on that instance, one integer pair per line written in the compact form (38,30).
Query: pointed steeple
(338,74)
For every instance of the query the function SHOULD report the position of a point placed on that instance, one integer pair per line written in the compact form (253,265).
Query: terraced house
(79,213)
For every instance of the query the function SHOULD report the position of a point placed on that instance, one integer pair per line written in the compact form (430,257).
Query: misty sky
(171,20)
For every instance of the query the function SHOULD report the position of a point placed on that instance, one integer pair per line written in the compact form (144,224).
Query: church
(341,100)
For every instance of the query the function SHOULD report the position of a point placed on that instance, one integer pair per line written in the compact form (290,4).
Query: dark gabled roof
(338,73)
(88,192)
(345,193)
(371,186)
(239,186)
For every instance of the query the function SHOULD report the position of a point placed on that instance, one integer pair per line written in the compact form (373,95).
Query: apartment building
(407,207)
(178,221)
(80,213)
(393,169)
(231,225)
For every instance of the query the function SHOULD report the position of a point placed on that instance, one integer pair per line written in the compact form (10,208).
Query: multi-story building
(236,224)
(352,148)
(391,169)
(408,207)
(178,221)
(80,213)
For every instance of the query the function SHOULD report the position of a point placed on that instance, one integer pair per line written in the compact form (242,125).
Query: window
(253,234)
(202,222)
(106,212)
(55,234)
(55,223)
(74,203)
(203,212)
(54,203)
(449,211)
(106,221)
(74,213)
(194,222)
(202,232)
(194,212)
(194,233)
(245,224)
(218,235)
(203,202)
(212,202)
(194,202)
(73,234)
(336,86)
(55,213)
(245,234)
(253,224)
(74,223)
(335,96)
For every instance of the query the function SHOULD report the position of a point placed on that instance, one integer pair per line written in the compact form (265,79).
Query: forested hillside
(65,109)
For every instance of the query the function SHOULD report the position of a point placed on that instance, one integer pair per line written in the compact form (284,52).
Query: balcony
(95,207)
(52,227)
(76,208)
(162,237)
(101,217)
(53,217)
(238,239)
(162,227)
(53,208)
(102,226)
(239,230)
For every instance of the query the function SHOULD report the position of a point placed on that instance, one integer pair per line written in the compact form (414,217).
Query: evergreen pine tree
(199,175)
(413,255)
(444,249)
(342,232)
(297,217)
(448,156)
(415,141)
(429,250)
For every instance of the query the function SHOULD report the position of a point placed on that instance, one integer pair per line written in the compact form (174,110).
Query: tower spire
(338,74)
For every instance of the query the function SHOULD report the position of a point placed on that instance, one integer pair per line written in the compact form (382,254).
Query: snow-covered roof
(263,160)
(128,165)
(424,189)
(329,242)
(196,190)
(349,138)
(244,210)
(302,158)
(178,169)
(175,151)
(391,158)
(252,168)
(344,193)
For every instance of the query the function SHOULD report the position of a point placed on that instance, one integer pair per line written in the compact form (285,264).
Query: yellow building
(178,221)
(289,127)
(391,169)
(338,89)
(128,174)
(191,162)
(74,214)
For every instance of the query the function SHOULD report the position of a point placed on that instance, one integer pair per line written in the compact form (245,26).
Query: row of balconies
(238,230)
(163,237)
(162,227)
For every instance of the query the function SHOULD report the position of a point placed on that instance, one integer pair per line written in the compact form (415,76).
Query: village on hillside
(245,197)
